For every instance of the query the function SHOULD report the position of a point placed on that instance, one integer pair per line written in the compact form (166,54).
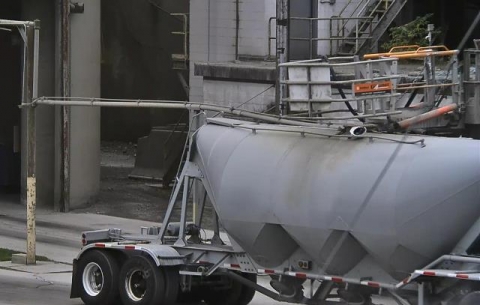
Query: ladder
(180,60)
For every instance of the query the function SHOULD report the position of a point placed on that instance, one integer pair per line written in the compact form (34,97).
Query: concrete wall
(213,33)
(212,37)
(326,10)
(232,94)
(44,10)
(85,122)
(137,47)
(253,30)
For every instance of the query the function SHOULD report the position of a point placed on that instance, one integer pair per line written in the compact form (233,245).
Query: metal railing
(377,89)
(357,26)
(309,85)
(332,24)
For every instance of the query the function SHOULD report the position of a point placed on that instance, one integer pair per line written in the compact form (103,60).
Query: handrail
(311,39)
(420,52)
(345,7)
(320,62)
(351,16)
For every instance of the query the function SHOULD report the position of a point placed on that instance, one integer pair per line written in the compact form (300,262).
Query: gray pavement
(44,284)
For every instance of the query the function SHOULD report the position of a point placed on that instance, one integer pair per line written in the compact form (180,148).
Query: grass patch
(6,255)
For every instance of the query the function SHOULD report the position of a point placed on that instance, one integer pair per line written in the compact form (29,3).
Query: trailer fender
(162,255)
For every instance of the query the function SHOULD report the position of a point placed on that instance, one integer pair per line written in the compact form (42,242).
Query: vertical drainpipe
(62,200)
(237,26)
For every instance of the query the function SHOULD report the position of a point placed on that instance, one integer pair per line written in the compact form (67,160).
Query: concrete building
(83,135)
(90,48)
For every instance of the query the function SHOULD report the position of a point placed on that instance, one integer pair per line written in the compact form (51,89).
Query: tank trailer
(369,185)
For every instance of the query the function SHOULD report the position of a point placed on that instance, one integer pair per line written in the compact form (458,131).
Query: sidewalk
(58,234)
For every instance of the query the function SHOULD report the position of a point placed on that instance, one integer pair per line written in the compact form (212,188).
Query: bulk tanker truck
(381,200)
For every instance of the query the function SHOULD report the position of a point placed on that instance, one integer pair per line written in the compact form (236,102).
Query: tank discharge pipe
(426,116)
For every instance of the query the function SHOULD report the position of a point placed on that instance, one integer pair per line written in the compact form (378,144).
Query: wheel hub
(92,279)
(135,285)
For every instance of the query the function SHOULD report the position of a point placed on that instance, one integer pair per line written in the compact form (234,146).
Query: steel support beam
(283,25)
(65,92)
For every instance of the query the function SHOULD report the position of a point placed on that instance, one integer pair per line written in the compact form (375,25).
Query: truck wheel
(473,298)
(141,282)
(247,294)
(229,296)
(98,278)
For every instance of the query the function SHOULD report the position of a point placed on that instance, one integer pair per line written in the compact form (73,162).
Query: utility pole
(283,25)
(31,93)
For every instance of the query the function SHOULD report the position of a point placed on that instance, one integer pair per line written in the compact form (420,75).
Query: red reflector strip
(429,273)
(337,279)
(373,284)
(462,276)
(235,266)
(301,275)
(269,271)
(100,245)
(129,247)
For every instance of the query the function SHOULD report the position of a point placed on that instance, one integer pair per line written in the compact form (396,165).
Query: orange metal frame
(413,51)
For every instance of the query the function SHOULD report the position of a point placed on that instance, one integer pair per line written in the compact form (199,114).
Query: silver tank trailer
(277,192)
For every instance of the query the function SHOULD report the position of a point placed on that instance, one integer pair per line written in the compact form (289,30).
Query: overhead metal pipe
(169,105)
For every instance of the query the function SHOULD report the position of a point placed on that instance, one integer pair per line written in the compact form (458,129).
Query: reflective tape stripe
(233,266)
(267,271)
(299,275)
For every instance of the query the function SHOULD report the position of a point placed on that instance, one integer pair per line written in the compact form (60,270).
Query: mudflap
(74,292)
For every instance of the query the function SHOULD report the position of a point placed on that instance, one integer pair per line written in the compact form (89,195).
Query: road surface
(51,288)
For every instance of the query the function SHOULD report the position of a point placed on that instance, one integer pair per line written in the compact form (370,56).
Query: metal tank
(279,190)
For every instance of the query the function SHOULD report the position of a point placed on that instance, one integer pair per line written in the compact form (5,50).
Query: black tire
(194,296)
(191,297)
(141,282)
(247,294)
(473,298)
(229,296)
(98,278)
(172,280)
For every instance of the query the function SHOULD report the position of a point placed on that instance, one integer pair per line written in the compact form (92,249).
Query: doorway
(10,97)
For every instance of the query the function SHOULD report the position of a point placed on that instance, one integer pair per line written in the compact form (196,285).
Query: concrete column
(45,12)
(85,122)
